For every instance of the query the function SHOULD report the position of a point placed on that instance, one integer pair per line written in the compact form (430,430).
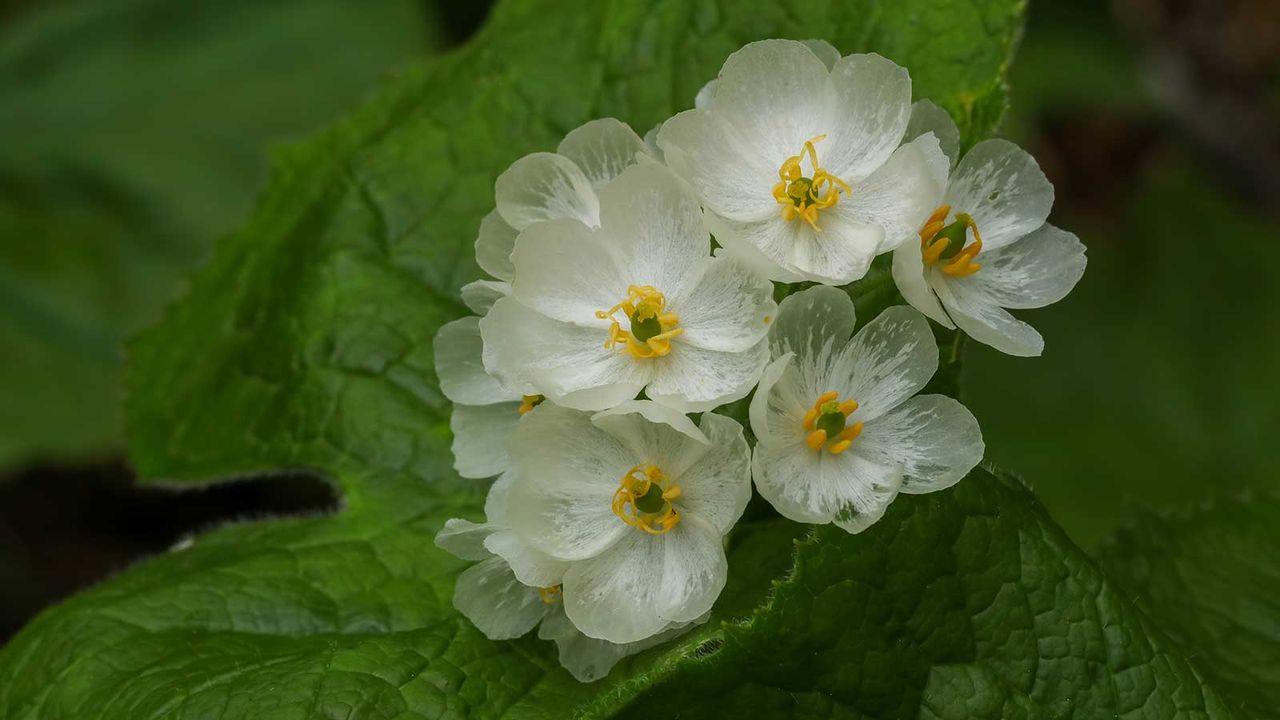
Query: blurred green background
(134,132)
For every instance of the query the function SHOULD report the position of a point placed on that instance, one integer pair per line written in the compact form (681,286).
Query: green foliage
(306,343)
(1211,578)
(132,135)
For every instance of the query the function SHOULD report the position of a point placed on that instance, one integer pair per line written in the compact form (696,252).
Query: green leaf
(306,343)
(133,134)
(1211,578)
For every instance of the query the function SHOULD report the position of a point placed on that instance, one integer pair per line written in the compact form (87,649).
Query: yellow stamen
(822,420)
(804,196)
(550,594)
(634,504)
(933,247)
(529,402)
(645,308)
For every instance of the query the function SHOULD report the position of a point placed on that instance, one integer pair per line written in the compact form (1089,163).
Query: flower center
(802,196)
(529,402)
(550,594)
(644,498)
(940,241)
(827,423)
(651,326)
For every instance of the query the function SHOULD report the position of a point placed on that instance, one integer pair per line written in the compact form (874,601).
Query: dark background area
(1158,122)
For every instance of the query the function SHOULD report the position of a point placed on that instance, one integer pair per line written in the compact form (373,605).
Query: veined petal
(871,111)
(645,582)
(825,51)
(928,117)
(1038,270)
(810,319)
(566,271)
(494,244)
(480,295)
(934,438)
(887,361)
(460,365)
(464,539)
(899,196)
(545,186)
(530,566)
(1003,188)
(692,379)
(814,486)
(602,148)
(717,485)
(975,311)
(658,434)
(491,597)
(777,410)
(910,275)
(729,308)
(793,251)
(480,436)
(567,471)
(734,179)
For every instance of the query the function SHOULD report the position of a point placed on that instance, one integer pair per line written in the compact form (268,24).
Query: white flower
(838,431)
(547,186)
(636,502)
(987,246)
(598,314)
(502,607)
(800,167)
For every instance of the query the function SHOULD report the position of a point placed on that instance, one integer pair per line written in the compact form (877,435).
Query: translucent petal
(1003,188)
(545,186)
(460,365)
(899,196)
(889,360)
(934,438)
(825,51)
(494,244)
(480,436)
(774,411)
(814,486)
(480,295)
(530,566)
(602,148)
(565,271)
(588,659)
(502,608)
(910,275)
(729,308)
(733,178)
(717,485)
(1038,270)
(975,311)
(871,110)
(464,539)
(691,379)
(662,435)
(809,318)
(792,251)
(929,117)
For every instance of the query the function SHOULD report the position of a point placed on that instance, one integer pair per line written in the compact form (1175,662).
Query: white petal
(825,51)
(531,567)
(814,486)
(602,148)
(888,361)
(1003,188)
(480,436)
(644,582)
(838,254)
(899,196)
(747,255)
(502,608)
(480,295)
(1038,270)
(460,365)
(717,486)
(495,502)
(658,434)
(692,379)
(775,412)
(807,320)
(565,271)
(729,308)
(567,363)
(929,117)
(588,659)
(777,94)
(494,244)
(655,225)
(975,311)
(651,147)
(733,177)
(706,95)
(909,274)
(464,539)
(872,108)
(934,438)
(567,471)
(545,186)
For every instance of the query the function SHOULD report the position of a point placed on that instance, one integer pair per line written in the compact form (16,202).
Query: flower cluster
(614,314)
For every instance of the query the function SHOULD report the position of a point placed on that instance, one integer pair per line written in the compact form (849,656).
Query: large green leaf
(1212,579)
(307,343)
(133,133)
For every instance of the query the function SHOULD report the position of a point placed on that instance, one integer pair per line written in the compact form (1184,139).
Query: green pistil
(652,501)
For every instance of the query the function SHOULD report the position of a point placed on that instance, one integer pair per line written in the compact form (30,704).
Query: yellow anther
(550,594)
(529,402)
(639,506)
(937,238)
(828,423)
(804,196)
(651,327)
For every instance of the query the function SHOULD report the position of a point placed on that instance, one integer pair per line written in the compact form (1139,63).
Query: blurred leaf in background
(131,134)
(1157,385)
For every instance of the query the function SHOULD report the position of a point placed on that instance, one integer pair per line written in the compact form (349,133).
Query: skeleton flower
(800,166)
(545,186)
(987,247)
(838,430)
(635,502)
(503,607)
(597,314)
